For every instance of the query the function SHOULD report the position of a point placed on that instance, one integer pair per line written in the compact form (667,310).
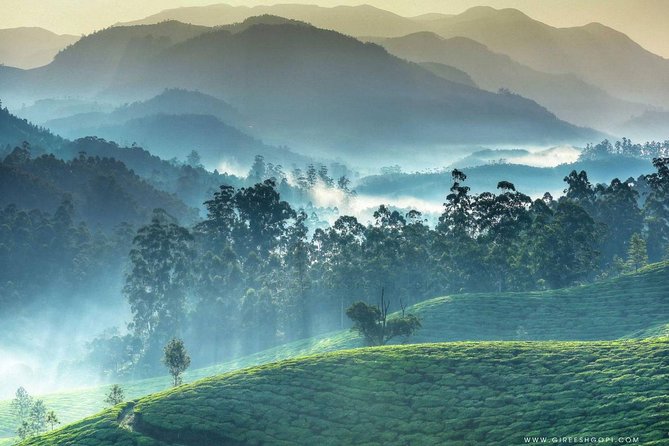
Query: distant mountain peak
(261,20)
(421,36)
(484,12)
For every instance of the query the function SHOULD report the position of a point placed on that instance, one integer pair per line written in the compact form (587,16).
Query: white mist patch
(367,204)
(232,168)
(45,352)
(549,157)
(322,196)
(363,207)
(529,156)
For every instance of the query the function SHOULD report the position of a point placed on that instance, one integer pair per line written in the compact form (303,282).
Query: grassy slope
(491,393)
(632,306)
(622,307)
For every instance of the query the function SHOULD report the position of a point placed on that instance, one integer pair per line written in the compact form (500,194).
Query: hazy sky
(643,20)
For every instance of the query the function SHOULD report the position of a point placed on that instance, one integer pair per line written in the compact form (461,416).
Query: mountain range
(314,90)
(596,53)
(480,77)
(569,97)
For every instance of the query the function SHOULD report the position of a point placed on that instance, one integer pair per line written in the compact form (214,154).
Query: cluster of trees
(32,415)
(376,327)
(296,185)
(189,181)
(44,254)
(251,275)
(105,192)
(626,148)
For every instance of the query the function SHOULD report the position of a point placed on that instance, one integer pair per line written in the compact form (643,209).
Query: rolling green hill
(631,306)
(605,310)
(458,393)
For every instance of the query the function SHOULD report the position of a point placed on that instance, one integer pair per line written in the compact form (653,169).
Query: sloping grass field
(631,306)
(463,393)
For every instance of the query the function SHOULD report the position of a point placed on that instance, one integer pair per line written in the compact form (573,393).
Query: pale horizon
(641,20)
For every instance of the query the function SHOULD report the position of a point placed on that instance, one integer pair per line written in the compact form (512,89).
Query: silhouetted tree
(373,323)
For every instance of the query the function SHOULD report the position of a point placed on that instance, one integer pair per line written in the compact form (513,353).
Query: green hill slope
(606,310)
(459,393)
(631,306)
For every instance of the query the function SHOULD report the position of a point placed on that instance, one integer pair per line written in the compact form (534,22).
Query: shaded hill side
(175,136)
(104,191)
(171,101)
(649,126)
(14,131)
(93,61)
(190,184)
(594,52)
(632,306)
(352,20)
(449,73)
(458,393)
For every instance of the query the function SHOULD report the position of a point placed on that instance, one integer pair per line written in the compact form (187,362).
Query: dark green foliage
(40,251)
(657,209)
(156,286)
(176,360)
(258,279)
(15,131)
(190,183)
(637,253)
(458,393)
(625,147)
(376,327)
(103,191)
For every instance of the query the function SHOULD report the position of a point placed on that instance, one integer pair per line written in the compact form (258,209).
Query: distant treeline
(625,147)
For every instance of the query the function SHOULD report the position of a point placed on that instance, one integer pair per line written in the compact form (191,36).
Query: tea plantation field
(631,306)
(462,393)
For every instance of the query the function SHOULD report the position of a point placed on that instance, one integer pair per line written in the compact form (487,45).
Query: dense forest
(256,271)
(251,275)
(234,264)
